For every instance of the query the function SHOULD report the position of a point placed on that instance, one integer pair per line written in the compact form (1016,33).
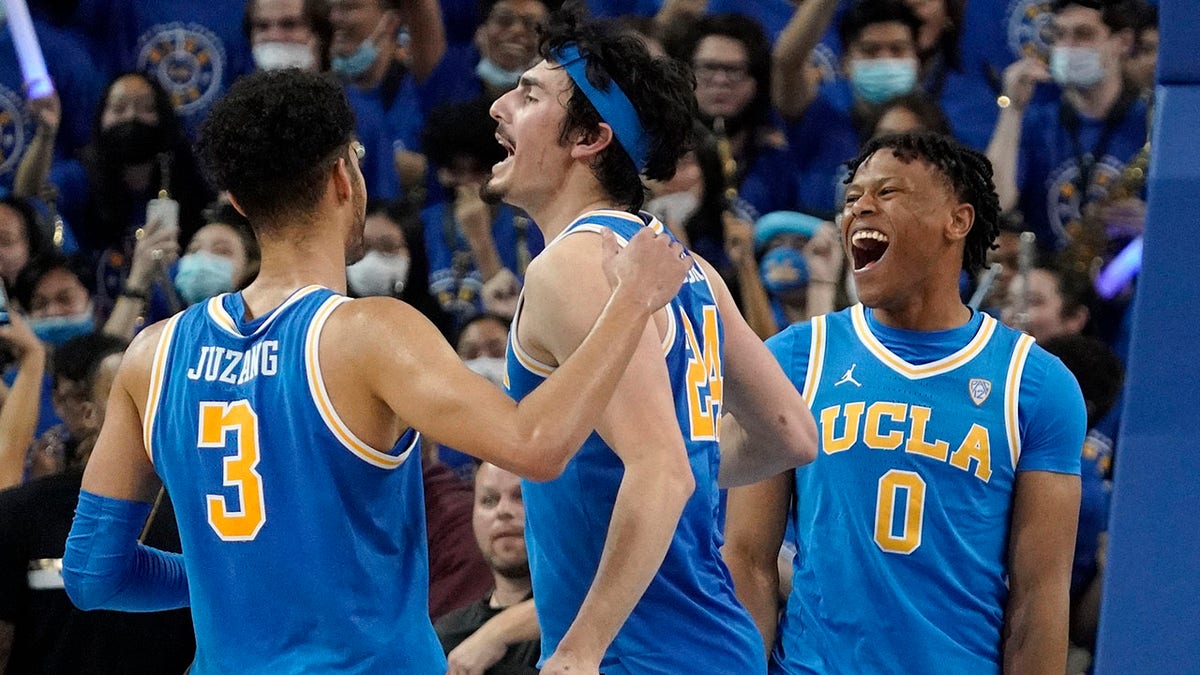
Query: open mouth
(867,247)
(509,149)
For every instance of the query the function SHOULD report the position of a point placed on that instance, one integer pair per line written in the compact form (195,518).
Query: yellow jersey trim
(221,317)
(908,370)
(157,376)
(320,396)
(1012,397)
(816,360)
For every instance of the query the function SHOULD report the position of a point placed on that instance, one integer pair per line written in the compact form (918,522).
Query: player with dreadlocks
(935,529)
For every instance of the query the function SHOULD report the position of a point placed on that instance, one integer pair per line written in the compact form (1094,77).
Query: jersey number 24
(705,382)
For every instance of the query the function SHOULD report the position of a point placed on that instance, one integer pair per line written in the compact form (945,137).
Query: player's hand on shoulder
(650,268)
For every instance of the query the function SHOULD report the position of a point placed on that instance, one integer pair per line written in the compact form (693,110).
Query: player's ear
(962,216)
(588,144)
(342,182)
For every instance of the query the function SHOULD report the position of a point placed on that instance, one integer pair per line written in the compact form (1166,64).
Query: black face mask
(132,142)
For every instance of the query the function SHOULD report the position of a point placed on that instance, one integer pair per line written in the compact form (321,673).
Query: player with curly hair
(624,546)
(283,419)
(935,531)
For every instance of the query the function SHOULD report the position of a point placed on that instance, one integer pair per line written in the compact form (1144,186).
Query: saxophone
(729,165)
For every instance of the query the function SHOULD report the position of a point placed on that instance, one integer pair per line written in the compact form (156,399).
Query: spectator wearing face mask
(383,90)
(1054,159)
(801,265)
(288,33)
(395,262)
(138,151)
(504,46)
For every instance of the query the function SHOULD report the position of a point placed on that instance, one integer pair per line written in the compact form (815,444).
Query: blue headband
(613,105)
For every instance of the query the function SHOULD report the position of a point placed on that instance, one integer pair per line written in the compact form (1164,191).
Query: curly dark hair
(870,12)
(271,141)
(464,129)
(1074,285)
(661,89)
(749,33)
(968,173)
(1095,367)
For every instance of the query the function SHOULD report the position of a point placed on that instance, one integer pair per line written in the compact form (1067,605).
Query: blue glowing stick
(1117,275)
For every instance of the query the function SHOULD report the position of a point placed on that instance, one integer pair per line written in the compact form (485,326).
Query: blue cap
(784,222)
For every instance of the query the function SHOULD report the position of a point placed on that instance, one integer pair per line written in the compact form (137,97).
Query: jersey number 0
(238,470)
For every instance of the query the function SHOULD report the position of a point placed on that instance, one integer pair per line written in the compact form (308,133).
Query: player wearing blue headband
(624,547)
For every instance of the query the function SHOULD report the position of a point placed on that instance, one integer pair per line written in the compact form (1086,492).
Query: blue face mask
(356,62)
(878,80)
(783,269)
(55,330)
(496,76)
(202,275)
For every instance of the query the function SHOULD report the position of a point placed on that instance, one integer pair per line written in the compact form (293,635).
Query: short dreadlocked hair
(966,171)
(660,89)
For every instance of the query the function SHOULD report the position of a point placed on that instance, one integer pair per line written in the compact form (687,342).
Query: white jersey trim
(157,381)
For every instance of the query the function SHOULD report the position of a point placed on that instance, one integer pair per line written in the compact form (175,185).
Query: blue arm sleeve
(105,568)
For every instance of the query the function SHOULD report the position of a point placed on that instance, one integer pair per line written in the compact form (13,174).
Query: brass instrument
(729,165)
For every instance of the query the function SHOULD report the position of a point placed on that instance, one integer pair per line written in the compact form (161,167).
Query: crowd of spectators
(107,223)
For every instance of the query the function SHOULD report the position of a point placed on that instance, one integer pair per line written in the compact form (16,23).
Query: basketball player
(272,418)
(624,546)
(936,527)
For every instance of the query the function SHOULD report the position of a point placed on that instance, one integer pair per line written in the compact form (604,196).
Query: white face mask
(490,367)
(1076,66)
(279,55)
(378,274)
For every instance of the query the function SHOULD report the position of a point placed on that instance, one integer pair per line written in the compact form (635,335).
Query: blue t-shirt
(1049,164)
(821,140)
(902,521)
(769,183)
(195,50)
(386,127)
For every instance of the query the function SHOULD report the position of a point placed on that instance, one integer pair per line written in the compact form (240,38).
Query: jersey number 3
(705,382)
(238,470)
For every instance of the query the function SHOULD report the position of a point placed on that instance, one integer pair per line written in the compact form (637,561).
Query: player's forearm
(1035,632)
(645,515)
(19,416)
(559,415)
(517,623)
(756,581)
(765,447)
(1002,152)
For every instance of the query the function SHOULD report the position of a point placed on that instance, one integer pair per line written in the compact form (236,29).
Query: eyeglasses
(507,19)
(707,71)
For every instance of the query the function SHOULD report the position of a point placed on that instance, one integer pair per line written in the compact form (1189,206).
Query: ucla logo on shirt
(1063,199)
(15,129)
(1029,24)
(188,60)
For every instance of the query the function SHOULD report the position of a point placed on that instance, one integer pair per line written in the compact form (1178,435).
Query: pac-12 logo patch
(188,60)
(980,389)
(16,128)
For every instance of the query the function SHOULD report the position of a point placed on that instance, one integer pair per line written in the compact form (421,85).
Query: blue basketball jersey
(902,521)
(689,617)
(305,548)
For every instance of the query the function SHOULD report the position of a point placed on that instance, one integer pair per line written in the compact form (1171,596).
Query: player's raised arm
(423,381)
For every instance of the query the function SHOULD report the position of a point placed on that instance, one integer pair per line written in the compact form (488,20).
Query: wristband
(135,293)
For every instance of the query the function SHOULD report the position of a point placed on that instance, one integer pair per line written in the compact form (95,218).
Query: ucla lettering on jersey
(689,614)
(305,548)
(902,521)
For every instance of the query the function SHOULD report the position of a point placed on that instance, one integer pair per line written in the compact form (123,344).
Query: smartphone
(3,306)
(165,210)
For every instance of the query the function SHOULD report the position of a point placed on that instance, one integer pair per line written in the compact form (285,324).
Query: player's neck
(509,592)
(292,263)
(1097,101)
(577,194)
(932,312)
